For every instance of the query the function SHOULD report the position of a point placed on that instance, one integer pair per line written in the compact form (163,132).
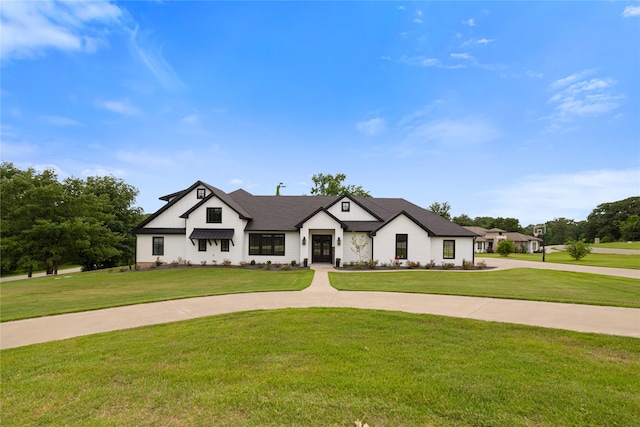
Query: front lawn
(619,245)
(520,283)
(94,290)
(325,367)
(593,259)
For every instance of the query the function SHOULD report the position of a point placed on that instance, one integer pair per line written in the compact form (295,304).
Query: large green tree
(604,221)
(330,185)
(46,222)
(441,209)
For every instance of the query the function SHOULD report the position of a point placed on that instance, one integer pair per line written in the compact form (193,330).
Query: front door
(321,248)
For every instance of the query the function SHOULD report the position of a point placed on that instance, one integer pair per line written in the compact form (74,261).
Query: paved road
(575,317)
(597,250)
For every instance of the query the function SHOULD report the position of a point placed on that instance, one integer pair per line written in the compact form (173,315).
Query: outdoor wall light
(339,241)
(304,241)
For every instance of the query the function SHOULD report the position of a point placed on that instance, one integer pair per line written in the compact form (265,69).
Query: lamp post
(541,230)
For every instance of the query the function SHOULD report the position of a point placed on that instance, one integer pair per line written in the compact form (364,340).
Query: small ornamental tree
(506,247)
(358,243)
(577,249)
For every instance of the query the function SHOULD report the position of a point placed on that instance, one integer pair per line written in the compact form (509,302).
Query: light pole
(541,230)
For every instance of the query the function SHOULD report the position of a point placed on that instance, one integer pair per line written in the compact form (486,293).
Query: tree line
(609,222)
(46,222)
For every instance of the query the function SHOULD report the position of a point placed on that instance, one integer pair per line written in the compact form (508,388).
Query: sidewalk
(574,317)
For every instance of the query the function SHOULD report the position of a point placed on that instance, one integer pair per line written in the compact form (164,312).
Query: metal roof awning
(211,233)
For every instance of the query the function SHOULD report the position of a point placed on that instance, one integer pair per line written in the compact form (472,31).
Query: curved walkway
(575,317)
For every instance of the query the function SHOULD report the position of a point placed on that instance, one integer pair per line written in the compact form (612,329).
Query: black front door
(321,248)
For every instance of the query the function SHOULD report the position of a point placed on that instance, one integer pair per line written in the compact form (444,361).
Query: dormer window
(201,193)
(346,206)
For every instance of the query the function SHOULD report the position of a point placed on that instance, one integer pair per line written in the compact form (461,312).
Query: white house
(488,240)
(205,224)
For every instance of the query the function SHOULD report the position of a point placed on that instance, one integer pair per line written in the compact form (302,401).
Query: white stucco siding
(418,241)
(230,218)
(349,253)
(171,217)
(174,248)
(355,213)
(463,250)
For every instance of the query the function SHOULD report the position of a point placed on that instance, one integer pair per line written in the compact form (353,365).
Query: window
(480,246)
(449,249)
(401,246)
(224,245)
(201,193)
(158,246)
(202,245)
(266,244)
(214,215)
(346,206)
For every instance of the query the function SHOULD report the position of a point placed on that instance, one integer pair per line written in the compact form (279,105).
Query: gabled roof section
(418,223)
(173,198)
(317,211)
(355,200)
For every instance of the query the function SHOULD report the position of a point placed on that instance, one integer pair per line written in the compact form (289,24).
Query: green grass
(596,260)
(94,290)
(619,245)
(325,367)
(520,283)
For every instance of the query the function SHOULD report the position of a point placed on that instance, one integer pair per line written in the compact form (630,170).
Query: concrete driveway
(575,317)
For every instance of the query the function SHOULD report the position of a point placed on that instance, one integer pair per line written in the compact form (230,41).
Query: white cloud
(49,166)
(236,181)
(31,27)
(417,21)
(123,107)
(420,61)
(153,58)
(539,198)
(485,41)
(470,22)
(372,127)
(449,132)
(190,119)
(60,121)
(578,97)
(466,56)
(147,159)
(631,11)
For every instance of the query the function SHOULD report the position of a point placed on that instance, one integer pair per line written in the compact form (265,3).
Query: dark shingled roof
(286,213)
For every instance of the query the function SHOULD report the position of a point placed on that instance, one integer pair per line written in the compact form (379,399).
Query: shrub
(577,249)
(242,264)
(430,265)
(203,262)
(413,264)
(253,262)
(467,265)
(293,263)
(447,265)
(285,267)
(506,247)
(481,265)
(158,262)
(372,264)
(605,239)
(268,265)
(226,262)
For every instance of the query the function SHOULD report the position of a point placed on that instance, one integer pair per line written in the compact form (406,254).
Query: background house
(487,240)
(203,223)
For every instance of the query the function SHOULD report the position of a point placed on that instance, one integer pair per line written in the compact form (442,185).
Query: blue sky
(515,109)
